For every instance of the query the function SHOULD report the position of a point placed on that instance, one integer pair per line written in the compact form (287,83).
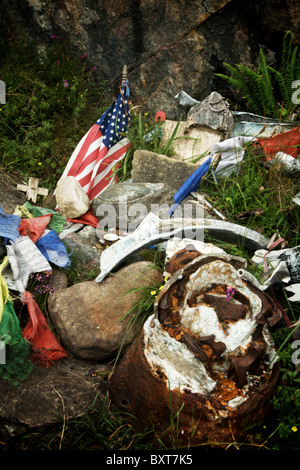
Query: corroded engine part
(205,356)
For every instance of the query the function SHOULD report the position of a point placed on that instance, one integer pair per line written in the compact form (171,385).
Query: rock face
(88,315)
(168,46)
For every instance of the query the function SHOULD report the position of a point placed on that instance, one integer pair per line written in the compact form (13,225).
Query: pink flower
(66,83)
(52,36)
(230,291)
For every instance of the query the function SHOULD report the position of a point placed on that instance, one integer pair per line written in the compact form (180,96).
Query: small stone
(71,198)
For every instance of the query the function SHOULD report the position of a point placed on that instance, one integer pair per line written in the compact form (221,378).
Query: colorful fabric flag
(53,249)
(9,225)
(86,219)
(190,185)
(57,221)
(17,365)
(102,147)
(286,142)
(34,227)
(4,292)
(44,347)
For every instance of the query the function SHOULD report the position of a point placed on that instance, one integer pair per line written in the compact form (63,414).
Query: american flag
(102,147)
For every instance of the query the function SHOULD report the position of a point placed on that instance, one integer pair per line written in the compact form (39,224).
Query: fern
(266,86)
(286,52)
(245,81)
(268,91)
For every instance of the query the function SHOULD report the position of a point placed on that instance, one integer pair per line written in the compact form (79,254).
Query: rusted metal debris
(203,354)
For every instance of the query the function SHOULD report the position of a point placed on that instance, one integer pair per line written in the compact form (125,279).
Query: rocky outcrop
(168,46)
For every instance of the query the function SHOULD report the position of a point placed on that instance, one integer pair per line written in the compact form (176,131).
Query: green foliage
(257,197)
(42,119)
(286,402)
(268,91)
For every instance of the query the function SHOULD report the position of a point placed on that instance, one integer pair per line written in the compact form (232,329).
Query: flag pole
(124,74)
(125,82)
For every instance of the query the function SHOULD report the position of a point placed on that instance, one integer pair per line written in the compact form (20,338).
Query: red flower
(160,116)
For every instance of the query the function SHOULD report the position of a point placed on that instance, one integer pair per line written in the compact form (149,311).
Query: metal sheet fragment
(154,230)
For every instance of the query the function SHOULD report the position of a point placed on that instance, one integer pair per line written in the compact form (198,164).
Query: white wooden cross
(32,189)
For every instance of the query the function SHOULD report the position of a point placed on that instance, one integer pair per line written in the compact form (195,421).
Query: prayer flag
(44,346)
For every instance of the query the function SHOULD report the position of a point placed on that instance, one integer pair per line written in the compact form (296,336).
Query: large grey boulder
(88,315)
(124,206)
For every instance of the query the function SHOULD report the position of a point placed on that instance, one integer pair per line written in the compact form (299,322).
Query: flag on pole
(102,147)
(190,185)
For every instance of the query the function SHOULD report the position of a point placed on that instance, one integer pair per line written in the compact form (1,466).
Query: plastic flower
(160,116)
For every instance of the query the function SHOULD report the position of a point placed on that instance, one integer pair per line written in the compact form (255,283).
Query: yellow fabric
(4,292)
(23,212)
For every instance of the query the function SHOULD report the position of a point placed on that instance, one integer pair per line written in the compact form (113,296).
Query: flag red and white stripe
(98,153)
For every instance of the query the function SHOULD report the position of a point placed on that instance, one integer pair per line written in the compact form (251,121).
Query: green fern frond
(288,39)
(268,91)
(267,86)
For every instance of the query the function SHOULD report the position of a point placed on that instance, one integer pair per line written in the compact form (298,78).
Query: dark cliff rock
(167,46)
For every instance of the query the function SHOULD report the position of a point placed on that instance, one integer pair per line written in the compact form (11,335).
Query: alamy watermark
(129,218)
(296,94)
(2,92)
(2,352)
(296,354)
